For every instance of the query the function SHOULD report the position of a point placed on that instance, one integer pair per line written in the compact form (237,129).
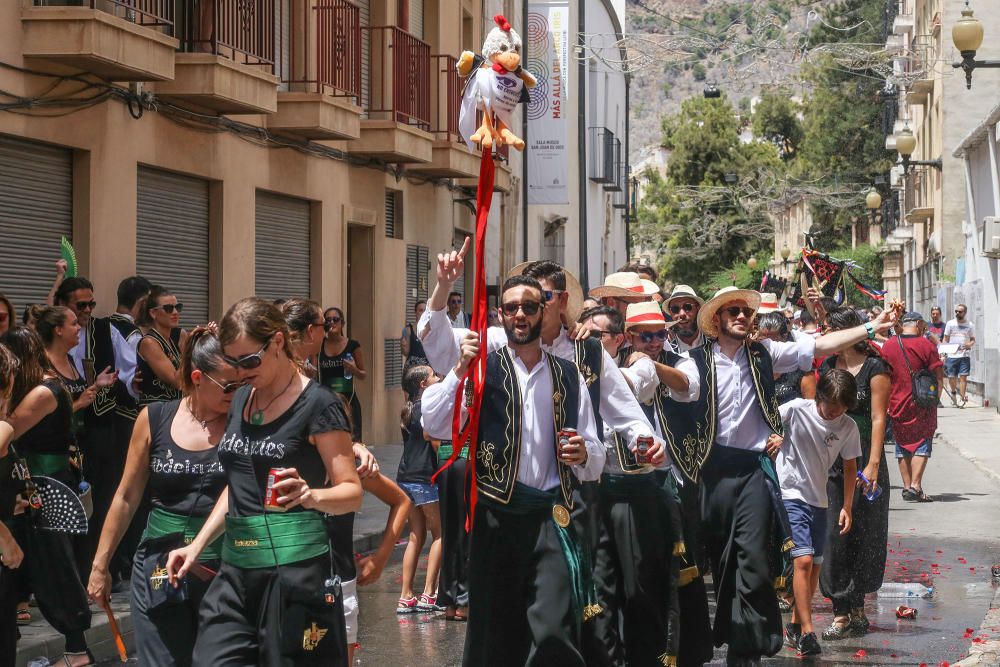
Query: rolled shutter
(172,238)
(416,277)
(36,209)
(416,17)
(364,8)
(282,247)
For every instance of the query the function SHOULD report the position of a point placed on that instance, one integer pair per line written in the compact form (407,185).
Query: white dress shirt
(125,357)
(618,406)
(740,421)
(680,347)
(537,464)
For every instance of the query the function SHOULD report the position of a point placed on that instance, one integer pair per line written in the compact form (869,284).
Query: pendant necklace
(257,416)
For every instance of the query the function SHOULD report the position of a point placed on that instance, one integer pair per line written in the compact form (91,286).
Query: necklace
(203,422)
(257,416)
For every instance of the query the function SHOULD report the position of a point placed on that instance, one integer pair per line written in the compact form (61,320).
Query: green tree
(776,119)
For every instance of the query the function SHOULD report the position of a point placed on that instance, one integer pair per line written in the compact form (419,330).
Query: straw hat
(646,312)
(768,303)
(574,306)
(624,284)
(721,298)
(683,291)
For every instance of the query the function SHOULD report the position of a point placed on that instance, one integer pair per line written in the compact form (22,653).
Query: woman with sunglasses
(160,348)
(173,452)
(41,413)
(287,456)
(340,364)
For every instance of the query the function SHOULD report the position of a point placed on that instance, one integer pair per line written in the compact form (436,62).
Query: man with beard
(682,307)
(527,569)
(725,442)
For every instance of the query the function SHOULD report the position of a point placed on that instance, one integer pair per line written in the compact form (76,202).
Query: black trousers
(453,584)
(635,575)
(520,602)
(738,521)
(8,616)
(256,617)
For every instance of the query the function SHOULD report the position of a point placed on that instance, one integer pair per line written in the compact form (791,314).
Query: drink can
(562,439)
(902,611)
(642,446)
(270,495)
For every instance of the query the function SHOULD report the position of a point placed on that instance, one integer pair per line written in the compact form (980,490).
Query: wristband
(870,328)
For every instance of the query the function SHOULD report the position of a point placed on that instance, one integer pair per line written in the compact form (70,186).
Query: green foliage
(698,71)
(776,119)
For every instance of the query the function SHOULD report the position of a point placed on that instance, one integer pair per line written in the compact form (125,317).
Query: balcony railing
(400,77)
(324,53)
(601,155)
(617,183)
(148,13)
(446,94)
(240,30)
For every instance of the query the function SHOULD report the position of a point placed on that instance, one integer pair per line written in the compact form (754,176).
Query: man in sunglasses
(459,319)
(524,603)
(682,307)
(728,438)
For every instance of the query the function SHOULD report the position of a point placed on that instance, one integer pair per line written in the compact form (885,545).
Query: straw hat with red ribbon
(645,313)
(768,303)
(625,284)
(724,296)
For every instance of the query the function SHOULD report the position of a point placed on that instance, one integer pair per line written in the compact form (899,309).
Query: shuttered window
(393,214)
(36,209)
(416,277)
(364,9)
(282,247)
(416,18)
(393,363)
(172,238)
(460,283)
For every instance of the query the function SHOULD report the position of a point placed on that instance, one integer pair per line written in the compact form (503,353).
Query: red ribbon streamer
(477,369)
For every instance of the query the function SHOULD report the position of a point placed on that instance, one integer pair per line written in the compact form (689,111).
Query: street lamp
(752,263)
(967,35)
(906,143)
(786,252)
(873,202)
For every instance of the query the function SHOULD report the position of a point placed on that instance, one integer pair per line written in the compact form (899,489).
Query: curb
(971,458)
(987,652)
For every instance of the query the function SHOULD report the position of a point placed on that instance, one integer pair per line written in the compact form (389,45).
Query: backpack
(923,383)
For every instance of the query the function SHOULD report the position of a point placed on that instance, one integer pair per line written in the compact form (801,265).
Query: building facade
(272,147)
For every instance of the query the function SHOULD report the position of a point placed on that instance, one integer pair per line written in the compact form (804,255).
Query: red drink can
(562,439)
(642,446)
(270,495)
(902,611)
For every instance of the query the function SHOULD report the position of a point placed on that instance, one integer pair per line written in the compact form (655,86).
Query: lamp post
(873,202)
(967,35)
(906,143)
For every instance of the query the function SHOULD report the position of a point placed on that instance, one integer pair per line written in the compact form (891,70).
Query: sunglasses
(529,307)
(169,308)
(650,336)
(333,320)
(248,361)
(734,311)
(227,388)
(686,307)
(86,305)
(550,294)
(454,302)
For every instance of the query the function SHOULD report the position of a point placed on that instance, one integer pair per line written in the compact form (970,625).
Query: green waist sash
(445,450)
(162,523)
(47,464)
(341,385)
(269,540)
(528,500)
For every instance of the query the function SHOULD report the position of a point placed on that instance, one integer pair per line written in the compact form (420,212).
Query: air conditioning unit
(991,237)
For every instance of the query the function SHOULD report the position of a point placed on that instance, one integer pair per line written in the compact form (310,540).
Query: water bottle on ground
(875,490)
(893,590)
(347,373)
(39,662)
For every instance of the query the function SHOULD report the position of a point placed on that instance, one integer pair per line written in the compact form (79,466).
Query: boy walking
(816,433)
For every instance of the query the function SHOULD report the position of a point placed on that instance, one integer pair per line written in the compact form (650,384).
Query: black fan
(62,510)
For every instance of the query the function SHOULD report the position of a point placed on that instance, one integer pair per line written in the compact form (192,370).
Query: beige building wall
(349,243)
(791,224)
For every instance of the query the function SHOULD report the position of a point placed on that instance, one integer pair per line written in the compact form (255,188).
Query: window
(393,214)
(393,363)
(554,244)
(417,268)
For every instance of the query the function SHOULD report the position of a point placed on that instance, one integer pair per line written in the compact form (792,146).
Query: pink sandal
(406,605)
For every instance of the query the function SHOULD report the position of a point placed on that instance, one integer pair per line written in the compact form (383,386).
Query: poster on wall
(548,59)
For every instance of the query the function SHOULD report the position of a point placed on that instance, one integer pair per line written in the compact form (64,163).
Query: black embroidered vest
(152,388)
(590,362)
(499,448)
(689,428)
(98,355)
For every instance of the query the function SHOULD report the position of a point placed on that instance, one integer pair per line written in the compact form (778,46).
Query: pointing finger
(465,247)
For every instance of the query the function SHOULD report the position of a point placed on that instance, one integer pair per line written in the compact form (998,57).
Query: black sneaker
(809,645)
(793,633)
(909,494)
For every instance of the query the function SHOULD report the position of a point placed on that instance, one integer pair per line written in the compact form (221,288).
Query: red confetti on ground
(977,640)
(861,653)
(962,560)
(969,630)
(893,655)
(938,551)
(923,664)
(357,646)
(935,565)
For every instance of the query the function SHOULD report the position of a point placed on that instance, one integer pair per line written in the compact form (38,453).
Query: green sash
(269,540)
(46,464)
(445,449)
(162,523)
(529,500)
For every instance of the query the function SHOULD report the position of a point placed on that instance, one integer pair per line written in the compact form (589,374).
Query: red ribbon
(477,369)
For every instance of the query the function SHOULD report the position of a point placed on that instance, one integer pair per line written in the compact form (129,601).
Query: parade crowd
(630,449)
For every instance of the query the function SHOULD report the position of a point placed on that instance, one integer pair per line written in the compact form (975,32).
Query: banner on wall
(547,52)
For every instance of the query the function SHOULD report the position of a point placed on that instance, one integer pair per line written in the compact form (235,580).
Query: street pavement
(949,544)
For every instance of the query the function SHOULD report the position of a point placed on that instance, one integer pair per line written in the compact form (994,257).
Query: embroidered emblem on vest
(312,637)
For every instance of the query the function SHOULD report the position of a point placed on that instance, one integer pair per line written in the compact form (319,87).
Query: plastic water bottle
(39,662)
(348,374)
(876,490)
(900,590)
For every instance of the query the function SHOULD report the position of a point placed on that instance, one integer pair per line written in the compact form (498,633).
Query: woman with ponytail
(173,451)
(159,350)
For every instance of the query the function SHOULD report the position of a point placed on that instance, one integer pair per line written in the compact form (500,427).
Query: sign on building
(547,45)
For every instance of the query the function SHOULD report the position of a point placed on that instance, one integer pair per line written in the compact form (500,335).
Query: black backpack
(923,383)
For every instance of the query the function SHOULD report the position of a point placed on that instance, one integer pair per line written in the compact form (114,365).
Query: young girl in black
(275,601)
(174,452)
(341,364)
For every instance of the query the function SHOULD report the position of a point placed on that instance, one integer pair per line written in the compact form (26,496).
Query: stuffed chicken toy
(496,84)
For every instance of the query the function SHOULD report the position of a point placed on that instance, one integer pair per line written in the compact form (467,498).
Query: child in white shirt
(816,433)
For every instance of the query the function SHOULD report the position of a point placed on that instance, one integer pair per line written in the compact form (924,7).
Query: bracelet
(870,328)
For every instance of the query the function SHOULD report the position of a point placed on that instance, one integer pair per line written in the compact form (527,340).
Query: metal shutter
(282,247)
(416,277)
(416,17)
(36,208)
(390,214)
(364,8)
(393,362)
(171,247)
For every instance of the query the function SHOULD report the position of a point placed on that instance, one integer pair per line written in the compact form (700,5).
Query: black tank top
(75,387)
(180,480)
(788,386)
(152,389)
(331,369)
(54,433)
(417,353)
(419,460)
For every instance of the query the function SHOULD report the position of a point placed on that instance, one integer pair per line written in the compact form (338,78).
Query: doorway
(358,303)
